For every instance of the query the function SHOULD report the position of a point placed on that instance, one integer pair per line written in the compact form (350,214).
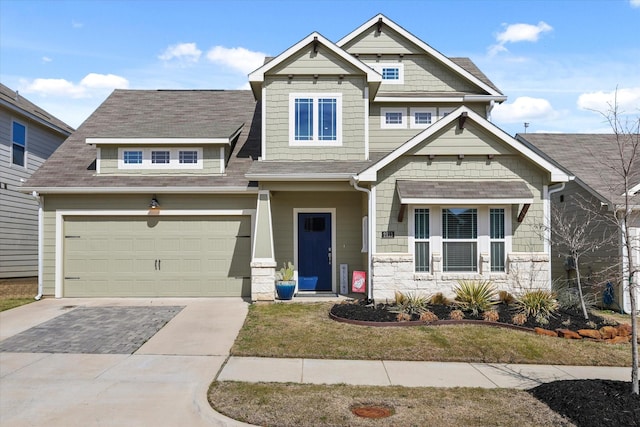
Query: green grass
(306,331)
(8,303)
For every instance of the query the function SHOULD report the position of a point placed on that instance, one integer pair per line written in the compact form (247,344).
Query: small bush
(475,296)
(403,317)
(439,299)
(506,298)
(428,316)
(519,319)
(538,303)
(491,316)
(410,304)
(456,315)
(568,296)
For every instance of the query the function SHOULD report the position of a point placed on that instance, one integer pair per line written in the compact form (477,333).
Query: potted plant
(285,285)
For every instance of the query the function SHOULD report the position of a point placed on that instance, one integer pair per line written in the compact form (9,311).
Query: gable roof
(557,174)
(18,103)
(257,77)
(453,65)
(183,113)
(590,158)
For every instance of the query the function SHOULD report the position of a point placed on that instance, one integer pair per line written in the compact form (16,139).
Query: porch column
(263,264)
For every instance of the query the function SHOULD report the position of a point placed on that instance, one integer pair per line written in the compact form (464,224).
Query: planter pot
(285,290)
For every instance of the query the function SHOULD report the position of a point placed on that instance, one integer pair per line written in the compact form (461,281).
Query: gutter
(138,190)
(40,201)
(354,182)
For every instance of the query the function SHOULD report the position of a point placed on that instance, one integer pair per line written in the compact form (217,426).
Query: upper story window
(19,144)
(422,117)
(393,118)
(149,158)
(392,73)
(315,119)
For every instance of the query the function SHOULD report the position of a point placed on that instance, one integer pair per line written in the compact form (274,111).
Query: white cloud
(91,85)
(515,33)
(237,57)
(46,59)
(76,24)
(523,109)
(628,100)
(185,53)
(634,3)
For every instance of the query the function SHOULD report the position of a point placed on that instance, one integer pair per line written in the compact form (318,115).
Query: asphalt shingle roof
(13,98)
(463,190)
(592,158)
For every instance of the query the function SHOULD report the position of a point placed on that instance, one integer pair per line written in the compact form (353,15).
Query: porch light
(154,204)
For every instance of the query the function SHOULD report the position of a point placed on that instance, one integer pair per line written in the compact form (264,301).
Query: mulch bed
(587,403)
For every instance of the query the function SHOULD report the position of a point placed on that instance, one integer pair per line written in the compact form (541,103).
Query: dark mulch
(563,319)
(592,403)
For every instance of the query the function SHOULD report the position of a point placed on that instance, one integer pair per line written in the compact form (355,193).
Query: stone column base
(263,280)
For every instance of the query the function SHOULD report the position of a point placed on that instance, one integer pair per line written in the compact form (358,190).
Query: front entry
(314,252)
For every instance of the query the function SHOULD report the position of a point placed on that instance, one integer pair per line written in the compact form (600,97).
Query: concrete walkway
(409,374)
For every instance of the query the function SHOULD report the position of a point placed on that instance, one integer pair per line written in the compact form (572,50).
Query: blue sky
(555,60)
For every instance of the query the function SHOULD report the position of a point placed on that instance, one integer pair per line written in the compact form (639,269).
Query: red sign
(358,282)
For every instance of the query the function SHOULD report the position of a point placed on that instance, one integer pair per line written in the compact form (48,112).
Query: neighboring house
(375,153)
(594,160)
(28,136)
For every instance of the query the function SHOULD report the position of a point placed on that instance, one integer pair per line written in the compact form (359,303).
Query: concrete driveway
(95,380)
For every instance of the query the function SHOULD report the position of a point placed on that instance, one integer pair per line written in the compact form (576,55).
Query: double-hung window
(421,240)
(460,239)
(19,144)
(315,119)
(497,239)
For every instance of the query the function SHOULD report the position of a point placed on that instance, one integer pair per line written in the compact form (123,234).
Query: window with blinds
(459,239)
(421,237)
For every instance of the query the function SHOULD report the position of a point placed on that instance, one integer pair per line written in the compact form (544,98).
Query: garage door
(157,256)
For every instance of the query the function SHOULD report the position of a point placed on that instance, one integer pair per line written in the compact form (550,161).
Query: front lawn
(305,331)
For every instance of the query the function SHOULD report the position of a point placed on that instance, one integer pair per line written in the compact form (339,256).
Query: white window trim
(507,227)
(174,163)
(442,111)
(412,117)
(315,142)
(378,66)
(26,145)
(383,118)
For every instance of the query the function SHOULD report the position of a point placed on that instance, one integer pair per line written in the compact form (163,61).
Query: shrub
(456,315)
(410,304)
(538,303)
(568,296)
(519,319)
(428,316)
(475,296)
(403,317)
(506,298)
(491,316)
(439,299)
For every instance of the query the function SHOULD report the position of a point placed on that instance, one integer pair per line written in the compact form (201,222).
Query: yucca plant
(539,303)
(439,299)
(475,295)
(506,298)
(410,303)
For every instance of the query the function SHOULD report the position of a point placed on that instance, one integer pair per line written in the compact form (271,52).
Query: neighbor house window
(422,117)
(188,157)
(497,239)
(133,157)
(315,119)
(393,118)
(459,239)
(160,157)
(19,144)
(421,240)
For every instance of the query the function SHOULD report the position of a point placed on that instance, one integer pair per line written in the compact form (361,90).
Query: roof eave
(137,190)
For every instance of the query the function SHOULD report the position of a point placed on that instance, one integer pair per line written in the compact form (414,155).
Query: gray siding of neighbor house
(596,267)
(447,167)
(277,117)
(19,211)
(105,203)
(109,162)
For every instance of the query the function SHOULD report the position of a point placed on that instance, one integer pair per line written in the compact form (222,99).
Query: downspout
(547,230)
(354,182)
(40,200)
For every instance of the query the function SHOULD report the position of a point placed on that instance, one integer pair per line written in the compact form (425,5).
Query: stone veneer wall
(394,272)
(263,280)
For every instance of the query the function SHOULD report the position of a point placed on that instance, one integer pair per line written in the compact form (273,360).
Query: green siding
(473,141)
(308,62)
(387,41)
(109,163)
(277,118)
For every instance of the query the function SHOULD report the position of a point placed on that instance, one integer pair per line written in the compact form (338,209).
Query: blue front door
(314,252)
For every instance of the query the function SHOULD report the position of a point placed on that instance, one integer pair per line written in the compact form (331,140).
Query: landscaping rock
(624,330)
(542,331)
(590,333)
(568,334)
(618,340)
(608,332)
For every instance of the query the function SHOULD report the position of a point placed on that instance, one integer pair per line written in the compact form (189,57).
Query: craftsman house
(28,136)
(374,153)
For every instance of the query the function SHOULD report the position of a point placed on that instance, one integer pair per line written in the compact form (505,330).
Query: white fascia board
(484,98)
(415,40)
(300,177)
(135,190)
(258,75)
(440,99)
(158,141)
(498,201)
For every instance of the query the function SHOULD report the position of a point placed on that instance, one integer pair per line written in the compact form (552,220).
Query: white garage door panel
(160,256)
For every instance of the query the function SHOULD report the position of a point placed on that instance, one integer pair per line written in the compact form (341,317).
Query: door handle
(159,264)
(156,265)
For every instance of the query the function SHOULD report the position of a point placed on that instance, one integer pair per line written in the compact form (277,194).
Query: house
(28,136)
(594,160)
(374,153)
